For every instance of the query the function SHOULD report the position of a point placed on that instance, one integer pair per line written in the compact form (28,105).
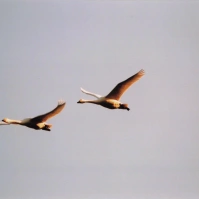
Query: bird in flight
(111,100)
(39,122)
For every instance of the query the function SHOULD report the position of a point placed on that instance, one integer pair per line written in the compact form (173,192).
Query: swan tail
(47,127)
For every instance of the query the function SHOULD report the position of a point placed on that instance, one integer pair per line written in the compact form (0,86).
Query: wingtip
(142,72)
(61,102)
(82,89)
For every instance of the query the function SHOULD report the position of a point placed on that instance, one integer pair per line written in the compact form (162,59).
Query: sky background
(49,50)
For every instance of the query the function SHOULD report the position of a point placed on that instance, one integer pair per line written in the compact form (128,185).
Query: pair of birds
(110,101)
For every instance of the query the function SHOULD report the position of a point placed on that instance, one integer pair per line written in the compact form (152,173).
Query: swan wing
(89,93)
(45,117)
(3,123)
(120,88)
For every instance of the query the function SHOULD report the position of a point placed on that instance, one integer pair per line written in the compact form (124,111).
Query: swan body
(39,122)
(105,102)
(111,100)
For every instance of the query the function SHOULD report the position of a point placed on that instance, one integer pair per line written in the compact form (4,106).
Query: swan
(111,100)
(39,122)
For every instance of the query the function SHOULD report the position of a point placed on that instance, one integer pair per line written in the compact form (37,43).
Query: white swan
(111,101)
(38,122)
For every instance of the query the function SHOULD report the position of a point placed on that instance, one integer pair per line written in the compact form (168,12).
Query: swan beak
(2,120)
(78,102)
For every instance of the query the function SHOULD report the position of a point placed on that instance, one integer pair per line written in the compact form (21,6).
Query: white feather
(92,94)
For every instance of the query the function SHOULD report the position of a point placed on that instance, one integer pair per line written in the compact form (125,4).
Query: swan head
(6,120)
(124,106)
(81,101)
(9,121)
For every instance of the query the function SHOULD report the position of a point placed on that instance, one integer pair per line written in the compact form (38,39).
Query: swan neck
(91,101)
(10,121)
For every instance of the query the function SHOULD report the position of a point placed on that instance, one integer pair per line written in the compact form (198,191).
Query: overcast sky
(49,50)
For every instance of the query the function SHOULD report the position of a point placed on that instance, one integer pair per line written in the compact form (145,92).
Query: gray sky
(50,50)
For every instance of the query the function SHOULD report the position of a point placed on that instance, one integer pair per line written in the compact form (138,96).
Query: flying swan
(111,101)
(39,122)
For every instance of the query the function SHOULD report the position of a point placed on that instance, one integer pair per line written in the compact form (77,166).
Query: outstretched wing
(45,117)
(89,93)
(118,91)
(3,123)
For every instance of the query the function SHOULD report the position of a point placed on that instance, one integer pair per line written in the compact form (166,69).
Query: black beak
(128,109)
